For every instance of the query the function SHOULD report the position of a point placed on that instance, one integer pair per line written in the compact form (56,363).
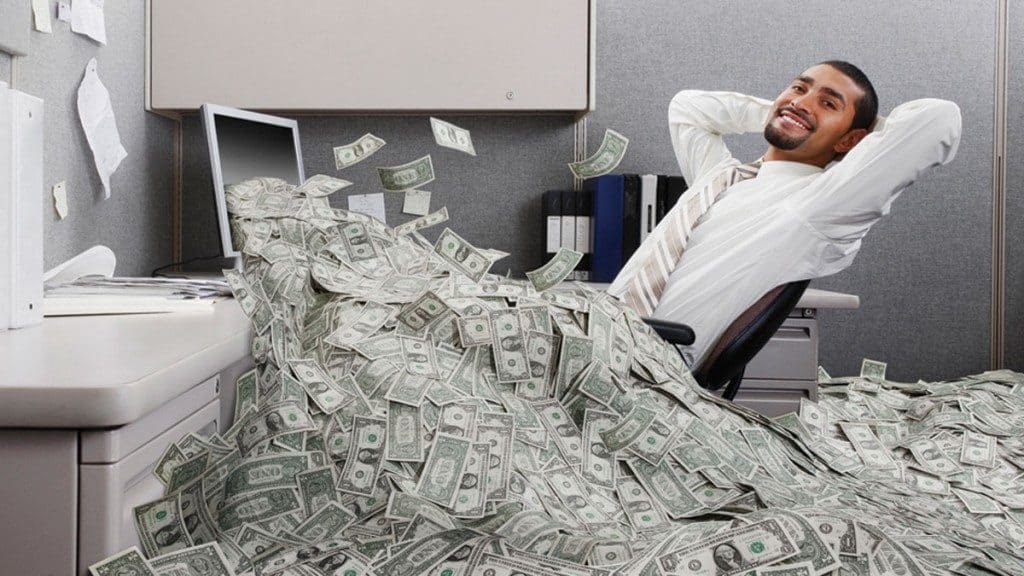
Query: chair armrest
(672,332)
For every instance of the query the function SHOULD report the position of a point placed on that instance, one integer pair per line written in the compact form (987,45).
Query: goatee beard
(780,140)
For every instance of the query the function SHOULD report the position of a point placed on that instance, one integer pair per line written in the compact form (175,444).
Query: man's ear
(849,140)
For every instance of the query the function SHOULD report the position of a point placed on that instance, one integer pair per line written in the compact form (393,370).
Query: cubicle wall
(923,273)
(135,221)
(1015,193)
(493,198)
(5,67)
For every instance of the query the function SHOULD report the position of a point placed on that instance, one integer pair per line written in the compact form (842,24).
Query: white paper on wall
(41,15)
(417,202)
(369,204)
(60,198)
(97,117)
(87,18)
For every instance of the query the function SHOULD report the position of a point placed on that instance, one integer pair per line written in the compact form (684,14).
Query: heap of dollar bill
(412,413)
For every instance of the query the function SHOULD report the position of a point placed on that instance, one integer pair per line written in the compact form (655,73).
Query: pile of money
(412,413)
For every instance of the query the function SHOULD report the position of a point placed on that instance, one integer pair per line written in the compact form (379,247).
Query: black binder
(660,204)
(674,188)
(630,215)
(584,222)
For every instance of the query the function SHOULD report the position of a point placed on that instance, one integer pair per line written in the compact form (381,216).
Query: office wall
(923,273)
(134,222)
(1015,193)
(493,199)
(5,67)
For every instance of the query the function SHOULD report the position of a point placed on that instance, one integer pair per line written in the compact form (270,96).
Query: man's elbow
(946,123)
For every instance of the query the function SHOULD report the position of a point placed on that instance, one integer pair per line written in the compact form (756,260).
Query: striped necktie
(648,284)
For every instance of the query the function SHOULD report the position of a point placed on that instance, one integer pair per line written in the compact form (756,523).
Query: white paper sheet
(97,117)
(416,202)
(41,15)
(369,204)
(60,199)
(64,10)
(87,18)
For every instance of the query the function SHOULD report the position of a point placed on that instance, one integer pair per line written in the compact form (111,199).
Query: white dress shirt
(792,221)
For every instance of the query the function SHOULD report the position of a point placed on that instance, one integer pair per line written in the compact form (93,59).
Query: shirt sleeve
(849,197)
(698,119)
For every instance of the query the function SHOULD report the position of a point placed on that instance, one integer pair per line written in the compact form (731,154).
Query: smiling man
(743,229)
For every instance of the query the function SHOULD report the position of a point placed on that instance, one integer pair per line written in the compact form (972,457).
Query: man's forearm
(719,112)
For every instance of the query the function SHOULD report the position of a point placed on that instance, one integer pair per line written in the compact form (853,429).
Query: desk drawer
(109,492)
(791,354)
(775,397)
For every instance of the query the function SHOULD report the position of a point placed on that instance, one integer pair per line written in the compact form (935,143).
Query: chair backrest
(747,334)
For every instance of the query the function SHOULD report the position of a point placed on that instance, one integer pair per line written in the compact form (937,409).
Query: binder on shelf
(568,211)
(606,260)
(648,205)
(584,211)
(674,188)
(551,210)
(661,208)
(630,215)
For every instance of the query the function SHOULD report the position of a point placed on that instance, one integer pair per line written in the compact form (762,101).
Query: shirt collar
(787,169)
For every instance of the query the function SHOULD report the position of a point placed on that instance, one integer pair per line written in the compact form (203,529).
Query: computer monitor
(247,145)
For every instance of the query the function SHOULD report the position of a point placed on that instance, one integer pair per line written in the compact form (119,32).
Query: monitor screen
(247,145)
(250,149)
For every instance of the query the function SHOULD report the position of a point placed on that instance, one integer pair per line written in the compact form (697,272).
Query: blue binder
(606,227)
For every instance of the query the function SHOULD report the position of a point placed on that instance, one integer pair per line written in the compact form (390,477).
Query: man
(794,220)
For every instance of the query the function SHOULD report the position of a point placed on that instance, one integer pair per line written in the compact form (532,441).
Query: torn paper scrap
(60,198)
(369,204)
(64,10)
(41,15)
(97,117)
(416,202)
(87,18)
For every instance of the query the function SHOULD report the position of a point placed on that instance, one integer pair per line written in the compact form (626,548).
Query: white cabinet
(357,56)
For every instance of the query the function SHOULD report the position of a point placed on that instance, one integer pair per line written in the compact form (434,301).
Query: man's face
(814,113)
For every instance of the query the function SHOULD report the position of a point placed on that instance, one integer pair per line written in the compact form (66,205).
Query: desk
(786,369)
(88,405)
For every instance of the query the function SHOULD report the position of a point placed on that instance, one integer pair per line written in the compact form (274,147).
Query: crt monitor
(246,145)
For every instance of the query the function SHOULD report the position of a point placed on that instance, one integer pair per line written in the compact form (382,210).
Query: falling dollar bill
(451,136)
(422,222)
(462,255)
(410,175)
(555,270)
(349,154)
(607,157)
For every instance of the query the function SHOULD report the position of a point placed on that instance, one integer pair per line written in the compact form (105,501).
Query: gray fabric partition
(924,271)
(135,222)
(493,199)
(1015,193)
(5,67)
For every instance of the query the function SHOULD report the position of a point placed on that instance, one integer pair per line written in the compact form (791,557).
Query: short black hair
(867,104)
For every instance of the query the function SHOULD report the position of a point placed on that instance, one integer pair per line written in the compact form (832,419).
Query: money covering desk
(88,405)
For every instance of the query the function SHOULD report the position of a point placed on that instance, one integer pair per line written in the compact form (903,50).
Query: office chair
(740,342)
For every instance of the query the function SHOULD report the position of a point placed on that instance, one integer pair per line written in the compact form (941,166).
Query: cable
(189,261)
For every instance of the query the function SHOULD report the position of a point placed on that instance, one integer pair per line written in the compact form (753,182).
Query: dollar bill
(357,243)
(462,255)
(246,392)
(264,472)
(328,395)
(474,330)
(129,561)
(451,136)
(509,346)
(316,488)
(867,445)
(160,527)
(410,175)
(405,439)
(978,449)
(204,559)
(471,495)
(872,369)
(605,159)
(321,185)
(361,149)
(555,270)
(432,219)
(445,465)
(737,551)
(365,456)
